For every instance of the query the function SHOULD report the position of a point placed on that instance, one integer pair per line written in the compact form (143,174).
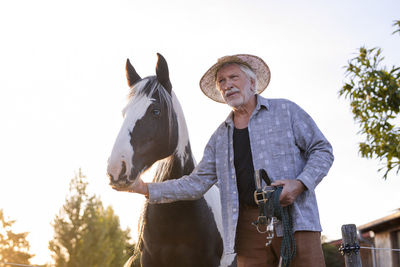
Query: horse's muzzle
(121,180)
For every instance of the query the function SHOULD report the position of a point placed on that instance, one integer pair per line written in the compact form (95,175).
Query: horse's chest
(175,230)
(178,220)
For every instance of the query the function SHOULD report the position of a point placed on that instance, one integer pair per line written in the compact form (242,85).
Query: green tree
(332,256)
(86,233)
(14,248)
(374,93)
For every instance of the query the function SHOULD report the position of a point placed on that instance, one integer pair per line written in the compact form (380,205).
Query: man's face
(235,87)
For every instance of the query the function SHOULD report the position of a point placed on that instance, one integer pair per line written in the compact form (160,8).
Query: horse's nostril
(122,183)
(122,174)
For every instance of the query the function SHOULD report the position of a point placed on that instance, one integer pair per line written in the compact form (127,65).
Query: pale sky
(62,89)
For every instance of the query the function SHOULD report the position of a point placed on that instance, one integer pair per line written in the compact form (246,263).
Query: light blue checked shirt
(284,140)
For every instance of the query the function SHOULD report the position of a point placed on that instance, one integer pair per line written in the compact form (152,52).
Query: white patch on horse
(183,135)
(227,259)
(122,150)
(213,200)
(212,197)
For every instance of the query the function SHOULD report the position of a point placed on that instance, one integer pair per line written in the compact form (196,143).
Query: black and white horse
(183,233)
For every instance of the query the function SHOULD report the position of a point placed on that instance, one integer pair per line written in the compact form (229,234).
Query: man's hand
(138,186)
(291,189)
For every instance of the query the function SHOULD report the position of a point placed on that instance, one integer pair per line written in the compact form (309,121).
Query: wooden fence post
(350,247)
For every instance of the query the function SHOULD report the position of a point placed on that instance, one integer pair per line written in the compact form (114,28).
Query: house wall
(395,240)
(386,238)
(383,257)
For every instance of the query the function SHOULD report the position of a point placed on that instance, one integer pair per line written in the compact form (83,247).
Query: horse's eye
(156,112)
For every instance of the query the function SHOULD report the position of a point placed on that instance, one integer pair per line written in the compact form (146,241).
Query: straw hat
(256,64)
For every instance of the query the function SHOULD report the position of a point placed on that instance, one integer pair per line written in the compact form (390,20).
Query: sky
(63,87)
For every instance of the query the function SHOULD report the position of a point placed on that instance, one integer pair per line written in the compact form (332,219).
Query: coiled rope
(288,245)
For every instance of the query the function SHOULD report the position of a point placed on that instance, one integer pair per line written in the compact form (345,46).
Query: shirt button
(234,210)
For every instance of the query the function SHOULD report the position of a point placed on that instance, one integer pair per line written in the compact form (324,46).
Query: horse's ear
(131,74)
(163,73)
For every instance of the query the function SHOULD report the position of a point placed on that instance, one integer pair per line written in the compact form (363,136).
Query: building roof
(382,224)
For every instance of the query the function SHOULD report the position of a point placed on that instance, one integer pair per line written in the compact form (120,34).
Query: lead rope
(270,212)
(288,245)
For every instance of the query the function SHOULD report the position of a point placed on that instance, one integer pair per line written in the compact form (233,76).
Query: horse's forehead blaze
(122,150)
(136,110)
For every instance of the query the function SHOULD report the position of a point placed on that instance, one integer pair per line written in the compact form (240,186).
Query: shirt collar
(262,102)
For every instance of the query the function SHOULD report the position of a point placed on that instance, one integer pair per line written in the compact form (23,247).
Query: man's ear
(253,85)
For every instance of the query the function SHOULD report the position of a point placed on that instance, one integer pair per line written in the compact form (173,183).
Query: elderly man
(271,134)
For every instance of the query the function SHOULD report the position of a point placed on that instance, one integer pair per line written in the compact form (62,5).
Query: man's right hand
(138,187)
(291,189)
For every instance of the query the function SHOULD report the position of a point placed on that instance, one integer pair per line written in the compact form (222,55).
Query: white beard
(238,99)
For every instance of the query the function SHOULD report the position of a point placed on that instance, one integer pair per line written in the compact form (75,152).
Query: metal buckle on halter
(261,196)
(261,221)
(269,226)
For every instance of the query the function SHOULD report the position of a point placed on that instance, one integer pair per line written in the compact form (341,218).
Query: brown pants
(252,252)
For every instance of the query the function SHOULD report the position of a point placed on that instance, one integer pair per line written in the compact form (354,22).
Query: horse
(182,233)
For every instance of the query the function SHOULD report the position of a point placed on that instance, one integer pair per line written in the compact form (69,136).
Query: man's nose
(228,85)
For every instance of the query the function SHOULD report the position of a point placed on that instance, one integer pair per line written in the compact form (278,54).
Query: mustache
(231,91)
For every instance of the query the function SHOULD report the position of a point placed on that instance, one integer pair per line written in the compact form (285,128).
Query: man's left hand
(291,189)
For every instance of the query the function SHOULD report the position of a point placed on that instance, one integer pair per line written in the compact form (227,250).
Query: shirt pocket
(280,142)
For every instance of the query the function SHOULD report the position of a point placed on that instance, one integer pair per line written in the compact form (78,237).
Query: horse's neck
(181,162)
(176,165)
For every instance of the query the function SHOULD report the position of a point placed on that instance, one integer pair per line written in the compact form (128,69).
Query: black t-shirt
(244,168)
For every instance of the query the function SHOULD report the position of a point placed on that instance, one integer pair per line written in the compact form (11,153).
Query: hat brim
(256,64)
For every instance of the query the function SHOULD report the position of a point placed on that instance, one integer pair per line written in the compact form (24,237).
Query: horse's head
(148,131)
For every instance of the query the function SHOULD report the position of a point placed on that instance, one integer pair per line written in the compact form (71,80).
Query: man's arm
(318,151)
(314,146)
(188,187)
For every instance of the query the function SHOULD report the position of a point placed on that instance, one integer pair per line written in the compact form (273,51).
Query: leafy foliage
(86,233)
(397,24)
(374,93)
(14,247)
(332,256)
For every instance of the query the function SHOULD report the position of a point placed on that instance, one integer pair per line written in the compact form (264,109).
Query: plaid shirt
(284,140)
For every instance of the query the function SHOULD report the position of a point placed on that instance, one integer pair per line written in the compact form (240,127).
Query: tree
(14,248)
(374,93)
(86,233)
(332,256)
